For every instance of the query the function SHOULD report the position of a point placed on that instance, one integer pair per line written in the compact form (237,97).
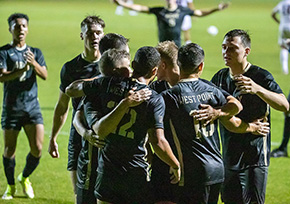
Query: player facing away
(283,9)
(20,64)
(169,18)
(85,65)
(246,156)
(281,151)
(122,168)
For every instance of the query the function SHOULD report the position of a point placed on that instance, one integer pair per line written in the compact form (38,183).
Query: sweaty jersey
(283,8)
(245,150)
(20,93)
(125,150)
(169,22)
(199,147)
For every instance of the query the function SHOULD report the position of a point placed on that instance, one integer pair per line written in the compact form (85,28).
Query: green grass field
(54,27)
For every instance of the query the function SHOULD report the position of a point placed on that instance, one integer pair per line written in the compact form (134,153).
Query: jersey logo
(11,54)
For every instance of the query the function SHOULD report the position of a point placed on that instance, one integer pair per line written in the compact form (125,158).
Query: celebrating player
(19,66)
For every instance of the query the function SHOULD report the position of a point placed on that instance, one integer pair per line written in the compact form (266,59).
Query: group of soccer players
(123,119)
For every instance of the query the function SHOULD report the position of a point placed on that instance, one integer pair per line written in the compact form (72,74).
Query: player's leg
(214,191)
(85,196)
(186,26)
(10,141)
(284,35)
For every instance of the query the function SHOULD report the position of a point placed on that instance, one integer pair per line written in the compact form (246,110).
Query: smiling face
(233,51)
(19,29)
(92,34)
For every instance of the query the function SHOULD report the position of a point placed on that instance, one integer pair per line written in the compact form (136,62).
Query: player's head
(168,69)
(145,62)
(170,2)
(92,30)
(236,47)
(115,62)
(18,26)
(113,40)
(190,59)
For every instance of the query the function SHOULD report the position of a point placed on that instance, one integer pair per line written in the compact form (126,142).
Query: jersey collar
(84,58)
(20,48)
(189,79)
(245,70)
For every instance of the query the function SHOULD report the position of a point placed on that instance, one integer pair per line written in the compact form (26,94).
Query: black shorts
(127,188)
(245,186)
(17,119)
(86,196)
(74,148)
(160,186)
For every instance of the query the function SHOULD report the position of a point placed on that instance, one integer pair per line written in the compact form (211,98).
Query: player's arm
(134,7)
(274,16)
(59,118)
(108,123)
(236,125)
(163,150)
(247,86)
(190,5)
(40,71)
(201,13)
(75,89)
(11,75)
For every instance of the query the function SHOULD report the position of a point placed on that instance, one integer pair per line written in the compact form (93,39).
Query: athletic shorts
(74,148)
(186,23)
(199,194)
(245,186)
(284,34)
(127,188)
(17,119)
(86,196)
(160,186)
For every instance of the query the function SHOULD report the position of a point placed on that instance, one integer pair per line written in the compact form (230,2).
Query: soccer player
(85,65)
(186,23)
(283,9)
(281,151)
(170,18)
(119,9)
(20,64)
(246,156)
(122,164)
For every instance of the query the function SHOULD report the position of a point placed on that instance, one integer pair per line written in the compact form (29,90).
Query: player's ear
(200,66)
(247,51)
(154,71)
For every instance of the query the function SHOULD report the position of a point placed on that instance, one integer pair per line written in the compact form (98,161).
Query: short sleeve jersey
(20,93)
(283,8)
(125,148)
(201,162)
(169,22)
(245,150)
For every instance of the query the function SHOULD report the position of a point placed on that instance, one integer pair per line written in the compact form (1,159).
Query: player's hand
(223,6)
(260,128)
(246,85)
(134,98)
(206,113)
(94,139)
(53,149)
(30,58)
(176,174)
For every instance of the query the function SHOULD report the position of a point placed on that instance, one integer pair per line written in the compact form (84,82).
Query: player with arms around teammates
(20,64)
(85,65)
(169,18)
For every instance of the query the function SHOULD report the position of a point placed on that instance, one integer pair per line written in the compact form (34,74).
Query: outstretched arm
(274,16)
(134,7)
(201,13)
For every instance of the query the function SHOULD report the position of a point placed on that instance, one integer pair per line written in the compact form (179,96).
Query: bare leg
(187,37)
(35,135)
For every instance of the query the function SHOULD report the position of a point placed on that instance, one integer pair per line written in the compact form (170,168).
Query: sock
(31,164)
(286,134)
(9,167)
(284,60)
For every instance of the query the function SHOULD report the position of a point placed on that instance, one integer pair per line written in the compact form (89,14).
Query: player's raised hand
(246,85)
(206,113)
(176,174)
(30,58)
(53,149)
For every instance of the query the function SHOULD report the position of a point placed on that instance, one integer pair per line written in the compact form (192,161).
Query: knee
(9,151)
(36,150)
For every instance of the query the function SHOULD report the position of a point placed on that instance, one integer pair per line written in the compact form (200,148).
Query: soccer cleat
(26,186)
(279,153)
(9,193)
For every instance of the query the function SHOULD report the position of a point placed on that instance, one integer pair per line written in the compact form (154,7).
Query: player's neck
(18,43)
(91,56)
(172,7)
(240,68)
(189,76)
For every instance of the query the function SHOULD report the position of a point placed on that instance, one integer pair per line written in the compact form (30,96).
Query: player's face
(122,68)
(234,53)
(171,2)
(92,34)
(19,29)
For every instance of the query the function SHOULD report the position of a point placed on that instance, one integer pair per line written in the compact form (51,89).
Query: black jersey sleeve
(155,10)
(3,57)
(157,109)
(91,87)
(65,79)
(187,11)
(39,56)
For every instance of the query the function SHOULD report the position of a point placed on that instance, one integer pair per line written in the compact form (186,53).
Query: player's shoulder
(71,64)
(5,47)
(257,71)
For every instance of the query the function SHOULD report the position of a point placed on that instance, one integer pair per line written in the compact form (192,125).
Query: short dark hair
(244,35)
(110,59)
(146,58)
(93,20)
(189,57)
(168,51)
(14,16)
(112,40)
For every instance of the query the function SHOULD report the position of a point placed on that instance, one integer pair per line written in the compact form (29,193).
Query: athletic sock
(284,60)
(31,164)
(9,167)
